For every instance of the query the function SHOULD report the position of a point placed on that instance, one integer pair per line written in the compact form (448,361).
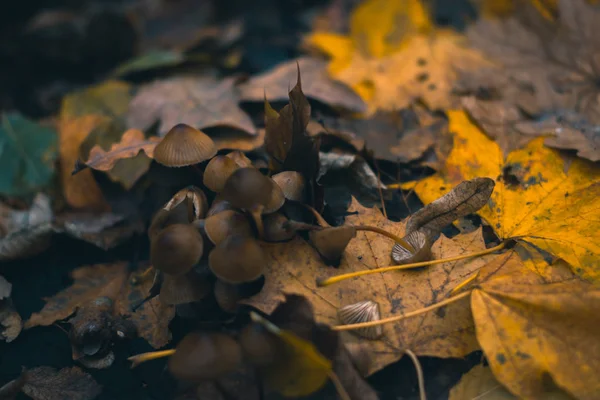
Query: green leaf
(27,155)
(148,61)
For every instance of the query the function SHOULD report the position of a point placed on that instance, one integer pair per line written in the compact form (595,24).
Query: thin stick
(420,376)
(383,232)
(464,283)
(153,355)
(379,189)
(401,317)
(338,385)
(393,186)
(339,278)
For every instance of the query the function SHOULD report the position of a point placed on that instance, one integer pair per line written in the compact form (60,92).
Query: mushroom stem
(338,385)
(464,283)
(383,232)
(403,316)
(256,214)
(320,220)
(153,355)
(339,278)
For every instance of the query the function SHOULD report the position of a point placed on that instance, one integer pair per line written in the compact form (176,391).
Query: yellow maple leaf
(540,197)
(393,55)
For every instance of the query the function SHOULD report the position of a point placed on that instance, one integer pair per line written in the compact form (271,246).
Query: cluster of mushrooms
(247,208)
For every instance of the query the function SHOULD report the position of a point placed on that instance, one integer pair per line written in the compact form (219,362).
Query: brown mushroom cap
(227,296)
(259,347)
(205,356)
(248,187)
(226,223)
(237,259)
(184,145)
(331,242)
(239,158)
(192,199)
(278,228)
(218,170)
(276,199)
(420,241)
(292,184)
(184,288)
(176,249)
(218,205)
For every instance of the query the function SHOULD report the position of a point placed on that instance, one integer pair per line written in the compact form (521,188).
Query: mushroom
(226,223)
(292,184)
(237,259)
(205,356)
(218,170)
(278,228)
(187,205)
(184,145)
(420,242)
(218,205)
(239,158)
(332,241)
(176,249)
(185,288)
(227,296)
(363,311)
(259,347)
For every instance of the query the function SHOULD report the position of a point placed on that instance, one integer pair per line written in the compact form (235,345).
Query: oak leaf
(540,197)
(276,84)
(390,64)
(294,266)
(200,102)
(113,282)
(46,383)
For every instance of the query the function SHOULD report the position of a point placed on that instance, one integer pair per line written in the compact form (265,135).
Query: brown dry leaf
(111,281)
(537,321)
(397,136)
(480,383)
(294,266)
(543,65)
(25,233)
(276,84)
(230,139)
(200,102)
(46,383)
(132,143)
(10,320)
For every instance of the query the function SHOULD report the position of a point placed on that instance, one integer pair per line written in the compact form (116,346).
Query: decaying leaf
(390,64)
(538,322)
(543,64)
(479,383)
(25,233)
(292,268)
(540,197)
(200,102)
(46,383)
(109,281)
(276,84)
(27,155)
(10,320)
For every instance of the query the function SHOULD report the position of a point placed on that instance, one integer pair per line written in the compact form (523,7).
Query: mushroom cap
(420,241)
(331,242)
(237,259)
(239,158)
(227,296)
(205,356)
(276,199)
(292,183)
(248,187)
(184,145)
(184,288)
(218,170)
(176,249)
(259,347)
(220,226)
(218,205)
(191,198)
(277,228)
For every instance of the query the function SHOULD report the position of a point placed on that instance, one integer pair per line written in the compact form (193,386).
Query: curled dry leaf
(389,67)
(200,102)
(276,83)
(539,198)
(46,383)
(111,281)
(25,233)
(294,266)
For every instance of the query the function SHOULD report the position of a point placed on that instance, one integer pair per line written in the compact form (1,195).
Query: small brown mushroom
(194,200)
(332,241)
(237,259)
(218,205)
(226,223)
(184,145)
(218,170)
(292,184)
(185,288)
(420,241)
(205,356)
(227,296)
(239,158)
(278,228)
(259,347)
(176,249)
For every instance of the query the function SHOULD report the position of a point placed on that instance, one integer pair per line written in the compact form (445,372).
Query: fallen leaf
(230,139)
(540,197)
(148,61)
(538,323)
(110,98)
(25,233)
(391,64)
(543,65)
(10,320)
(46,383)
(111,281)
(27,155)
(200,102)
(10,390)
(293,267)
(276,83)
(479,383)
